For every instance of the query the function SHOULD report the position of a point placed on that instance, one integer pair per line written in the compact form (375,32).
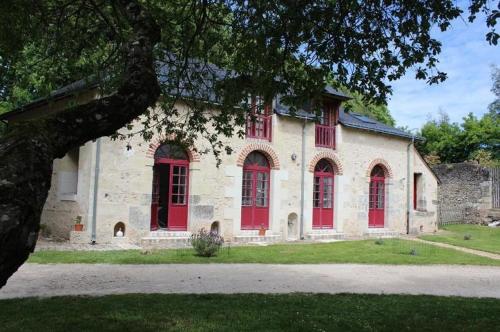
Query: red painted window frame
(260,125)
(416,177)
(325,128)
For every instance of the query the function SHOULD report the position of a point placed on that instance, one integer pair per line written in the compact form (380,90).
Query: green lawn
(483,237)
(250,312)
(393,251)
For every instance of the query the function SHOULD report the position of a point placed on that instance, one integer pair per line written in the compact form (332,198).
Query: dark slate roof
(354,120)
(329,90)
(202,76)
(66,90)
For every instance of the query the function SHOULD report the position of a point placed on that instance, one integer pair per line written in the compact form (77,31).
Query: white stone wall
(125,184)
(60,211)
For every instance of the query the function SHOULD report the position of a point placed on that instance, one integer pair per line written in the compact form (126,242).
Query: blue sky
(467,59)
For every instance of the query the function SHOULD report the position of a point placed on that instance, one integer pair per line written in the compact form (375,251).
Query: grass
(250,312)
(482,237)
(393,251)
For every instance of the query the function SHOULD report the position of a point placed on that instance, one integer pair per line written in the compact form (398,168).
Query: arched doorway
(169,204)
(255,192)
(377,198)
(323,195)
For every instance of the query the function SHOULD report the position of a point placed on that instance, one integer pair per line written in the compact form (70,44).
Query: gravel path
(103,279)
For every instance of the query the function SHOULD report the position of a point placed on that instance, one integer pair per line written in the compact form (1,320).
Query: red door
(255,192)
(178,196)
(323,195)
(377,198)
(169,206)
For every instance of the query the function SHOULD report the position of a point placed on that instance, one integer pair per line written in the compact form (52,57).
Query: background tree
(474,139)
(378,111)
(136,50)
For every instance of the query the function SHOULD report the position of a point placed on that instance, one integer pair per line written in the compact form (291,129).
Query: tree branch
(29,148)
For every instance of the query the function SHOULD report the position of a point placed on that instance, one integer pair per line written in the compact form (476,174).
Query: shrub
(467,237)
(413,252)
(206,244)
(379,242)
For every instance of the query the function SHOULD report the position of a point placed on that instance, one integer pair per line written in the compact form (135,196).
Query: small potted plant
(78,224)
(262,230)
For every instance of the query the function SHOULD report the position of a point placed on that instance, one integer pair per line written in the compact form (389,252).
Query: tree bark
(28,150)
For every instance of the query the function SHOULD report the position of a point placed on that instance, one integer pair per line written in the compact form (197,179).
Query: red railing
(259,126)
(325,136)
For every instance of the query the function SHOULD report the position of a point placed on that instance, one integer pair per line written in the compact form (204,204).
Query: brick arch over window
(382,163)
(265,149)
(193,155)
(331,157)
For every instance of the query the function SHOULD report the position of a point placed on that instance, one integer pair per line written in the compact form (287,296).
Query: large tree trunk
(28,150)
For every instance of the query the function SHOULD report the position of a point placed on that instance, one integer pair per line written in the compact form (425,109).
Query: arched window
(323,166)
(323,195)
(255,192)
(170,151)
(377,171)
(376,213)
(256,159)
(169,206)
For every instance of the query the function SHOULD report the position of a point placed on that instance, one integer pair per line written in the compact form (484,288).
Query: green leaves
(266,48)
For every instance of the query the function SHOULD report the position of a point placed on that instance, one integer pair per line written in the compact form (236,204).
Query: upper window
(325,116)
(325,130)
(259,121)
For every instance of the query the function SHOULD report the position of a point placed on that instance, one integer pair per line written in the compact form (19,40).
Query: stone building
(297,176)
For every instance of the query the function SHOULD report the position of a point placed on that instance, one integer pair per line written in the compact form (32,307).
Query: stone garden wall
(464,193)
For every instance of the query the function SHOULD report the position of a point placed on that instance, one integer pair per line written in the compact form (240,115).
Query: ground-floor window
(417,188)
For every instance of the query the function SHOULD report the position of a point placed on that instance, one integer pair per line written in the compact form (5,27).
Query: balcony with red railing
(325,136)
(259,126)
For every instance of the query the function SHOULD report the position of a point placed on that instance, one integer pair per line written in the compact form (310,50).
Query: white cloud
(467,58)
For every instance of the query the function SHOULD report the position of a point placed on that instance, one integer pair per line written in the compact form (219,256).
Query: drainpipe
(408,184)
(96,187)
(302,180)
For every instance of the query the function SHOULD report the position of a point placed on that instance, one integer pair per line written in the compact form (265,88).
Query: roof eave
(416,138)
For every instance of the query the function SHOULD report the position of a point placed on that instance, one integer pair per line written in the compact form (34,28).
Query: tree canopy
(362,105)
(287,48)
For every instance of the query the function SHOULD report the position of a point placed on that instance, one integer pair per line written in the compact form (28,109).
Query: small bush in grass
(467,237)
(379,242)
(413,252)
(206,244)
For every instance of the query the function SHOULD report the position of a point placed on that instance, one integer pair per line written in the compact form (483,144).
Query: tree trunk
(30,147)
